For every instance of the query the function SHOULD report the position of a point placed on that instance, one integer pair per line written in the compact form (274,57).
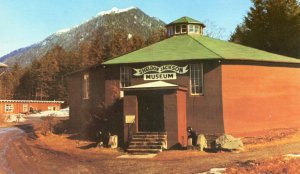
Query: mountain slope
(132,20)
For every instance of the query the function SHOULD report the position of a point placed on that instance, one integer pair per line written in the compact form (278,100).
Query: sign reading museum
(165,72)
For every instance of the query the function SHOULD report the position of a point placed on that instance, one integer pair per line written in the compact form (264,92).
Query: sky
(25,22)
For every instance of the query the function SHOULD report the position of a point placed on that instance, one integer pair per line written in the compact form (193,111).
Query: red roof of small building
(29,101)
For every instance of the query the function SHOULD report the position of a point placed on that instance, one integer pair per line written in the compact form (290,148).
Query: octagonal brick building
(193,80)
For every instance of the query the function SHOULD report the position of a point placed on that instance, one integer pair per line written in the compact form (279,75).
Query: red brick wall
(182,127)
(171,117)
(112,84)
(260,97)
(81,109)
(75,99)
(204,112)
(130,108)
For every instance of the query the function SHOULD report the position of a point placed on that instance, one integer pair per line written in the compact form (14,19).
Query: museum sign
(164,72)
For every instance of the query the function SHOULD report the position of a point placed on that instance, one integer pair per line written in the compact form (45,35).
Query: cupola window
(196,28)
(185,25)
(183,28)
(191,28)
(177,29)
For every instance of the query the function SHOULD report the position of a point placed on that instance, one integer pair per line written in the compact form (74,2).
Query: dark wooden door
(151,114)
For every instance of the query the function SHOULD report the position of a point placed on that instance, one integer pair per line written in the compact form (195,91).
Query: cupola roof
(186,20)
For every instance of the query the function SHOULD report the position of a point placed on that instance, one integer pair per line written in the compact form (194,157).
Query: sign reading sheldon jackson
(165,72)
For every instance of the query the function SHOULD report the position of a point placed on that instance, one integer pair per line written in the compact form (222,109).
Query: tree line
(45,78)
(271,25)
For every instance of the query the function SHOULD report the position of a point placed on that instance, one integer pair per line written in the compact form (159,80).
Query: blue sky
(24,22)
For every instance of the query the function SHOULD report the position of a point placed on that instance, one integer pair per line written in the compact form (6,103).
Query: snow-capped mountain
(132,20)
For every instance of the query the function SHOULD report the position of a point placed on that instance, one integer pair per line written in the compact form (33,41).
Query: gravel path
(7,136)
(20,154)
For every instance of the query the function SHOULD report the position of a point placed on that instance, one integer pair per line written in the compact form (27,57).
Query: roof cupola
(185,25)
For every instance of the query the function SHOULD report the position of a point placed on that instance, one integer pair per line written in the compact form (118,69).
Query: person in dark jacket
(192,134)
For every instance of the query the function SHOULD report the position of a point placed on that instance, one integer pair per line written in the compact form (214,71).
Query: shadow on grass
(78,136)
(91,145)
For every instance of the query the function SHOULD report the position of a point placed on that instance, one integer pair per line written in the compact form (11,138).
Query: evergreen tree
(135,43)
(271,25)
(25,89)
(7,86)
(16,73)
(157,36)
(10,81)
(96,54)
(118,44)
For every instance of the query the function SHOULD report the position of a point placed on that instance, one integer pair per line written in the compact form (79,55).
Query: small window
(86,85)
(183,28)
(177,29)
(25,107)
(9,108)
(51,108)
(191,28)
(196,28)
(196,79)
(125,76)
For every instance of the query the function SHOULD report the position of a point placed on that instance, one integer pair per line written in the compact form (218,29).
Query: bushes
(51,124)
(100,119)
(107,120)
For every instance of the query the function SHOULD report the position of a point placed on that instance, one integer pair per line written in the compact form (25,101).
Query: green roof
(197,47)
(186,19)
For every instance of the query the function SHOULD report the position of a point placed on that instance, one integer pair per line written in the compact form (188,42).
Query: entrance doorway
(151,113)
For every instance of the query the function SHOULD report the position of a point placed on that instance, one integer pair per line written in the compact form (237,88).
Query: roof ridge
(206,46)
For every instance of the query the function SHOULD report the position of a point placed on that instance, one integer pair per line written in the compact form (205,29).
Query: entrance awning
(153,86)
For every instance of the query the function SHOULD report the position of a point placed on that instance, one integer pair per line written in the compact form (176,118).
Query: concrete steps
(147,142)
